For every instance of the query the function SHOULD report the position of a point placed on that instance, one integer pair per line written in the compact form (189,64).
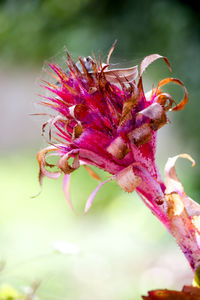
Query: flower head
(103,118)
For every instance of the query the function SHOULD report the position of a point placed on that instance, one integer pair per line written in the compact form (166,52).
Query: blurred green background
(117,251)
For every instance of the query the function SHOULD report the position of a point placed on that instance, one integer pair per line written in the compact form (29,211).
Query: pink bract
(103,118)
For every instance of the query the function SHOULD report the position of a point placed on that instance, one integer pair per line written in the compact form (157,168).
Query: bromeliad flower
(103,118)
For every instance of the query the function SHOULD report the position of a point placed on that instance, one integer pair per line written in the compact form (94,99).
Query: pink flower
(103,118)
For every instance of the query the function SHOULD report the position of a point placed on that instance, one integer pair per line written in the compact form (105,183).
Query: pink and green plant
(103,118)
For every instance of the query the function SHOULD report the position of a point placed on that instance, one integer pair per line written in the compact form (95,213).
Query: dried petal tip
(140,135)
(184,101)
(172,182)
(118,148)
(127,180)
(149,60)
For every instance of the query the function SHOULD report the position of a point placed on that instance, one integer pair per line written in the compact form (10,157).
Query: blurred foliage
(36,29)
(8,293)
(118,248)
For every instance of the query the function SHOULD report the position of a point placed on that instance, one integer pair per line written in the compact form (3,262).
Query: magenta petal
(66,190)
(92,158)
(92,196)
(93,140)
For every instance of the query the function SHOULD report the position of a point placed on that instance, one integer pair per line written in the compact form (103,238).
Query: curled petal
(184,101)
(41,157)
(173,185)
(150,59)
(145,63)
(162,99)
(172,182)
(65,166)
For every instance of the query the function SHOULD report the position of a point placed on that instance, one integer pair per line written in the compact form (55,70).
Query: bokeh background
(118,250)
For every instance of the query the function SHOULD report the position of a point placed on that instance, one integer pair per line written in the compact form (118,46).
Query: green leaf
(196,280)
